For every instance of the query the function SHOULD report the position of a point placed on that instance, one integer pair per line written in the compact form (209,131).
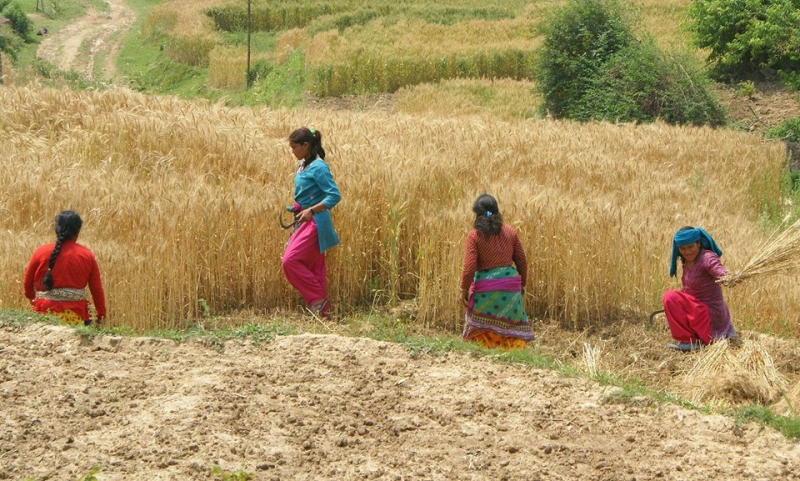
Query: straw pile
(789,405)
(725,376)
(779,255)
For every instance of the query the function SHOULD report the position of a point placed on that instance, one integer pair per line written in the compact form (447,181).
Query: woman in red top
(59,272)
(493,281)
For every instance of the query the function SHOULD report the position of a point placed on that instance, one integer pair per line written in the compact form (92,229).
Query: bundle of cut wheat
(779,255)
(724,376)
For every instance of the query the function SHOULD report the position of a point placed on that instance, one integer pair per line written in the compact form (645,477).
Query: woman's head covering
(688,236)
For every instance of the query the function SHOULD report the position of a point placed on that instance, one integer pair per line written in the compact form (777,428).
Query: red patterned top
(500,250)
(76,267)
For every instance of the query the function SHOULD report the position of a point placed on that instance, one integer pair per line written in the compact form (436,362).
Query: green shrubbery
(641,83)
(15,34)
(579,39)
(788,130)
(746,36)
(20,23)
(592,67)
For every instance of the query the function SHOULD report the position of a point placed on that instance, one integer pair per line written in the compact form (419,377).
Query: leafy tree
(745,36)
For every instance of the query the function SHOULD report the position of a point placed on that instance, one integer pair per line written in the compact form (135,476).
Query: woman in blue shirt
(315,194)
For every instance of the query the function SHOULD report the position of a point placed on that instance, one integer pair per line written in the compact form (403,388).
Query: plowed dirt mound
(327,407)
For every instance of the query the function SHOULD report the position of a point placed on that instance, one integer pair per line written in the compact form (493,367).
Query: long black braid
(313,138)
(68,226)
(488,220)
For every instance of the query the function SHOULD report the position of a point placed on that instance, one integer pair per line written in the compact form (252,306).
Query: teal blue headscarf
(684,237)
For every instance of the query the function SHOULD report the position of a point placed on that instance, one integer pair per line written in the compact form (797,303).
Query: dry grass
(181,203)
(789,405)
(591,358)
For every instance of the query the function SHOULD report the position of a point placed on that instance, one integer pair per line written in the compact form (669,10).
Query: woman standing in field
(59,272)
(493,281)
(697,314)
(315,194)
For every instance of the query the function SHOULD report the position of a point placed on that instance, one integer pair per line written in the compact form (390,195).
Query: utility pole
(248,44)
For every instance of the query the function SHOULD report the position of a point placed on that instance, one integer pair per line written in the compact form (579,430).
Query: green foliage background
(745,36)
(593,67)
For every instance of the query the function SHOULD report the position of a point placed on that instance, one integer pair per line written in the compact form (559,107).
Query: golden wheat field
(359,46)
(181,202)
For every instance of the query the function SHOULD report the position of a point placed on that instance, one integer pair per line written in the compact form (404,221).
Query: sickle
(286,226)
(654,314)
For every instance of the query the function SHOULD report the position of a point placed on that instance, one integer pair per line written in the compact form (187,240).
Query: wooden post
(248,44)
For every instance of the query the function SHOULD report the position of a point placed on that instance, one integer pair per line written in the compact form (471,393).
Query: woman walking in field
(59,272)
(315,194)
(493,281)
(697,314)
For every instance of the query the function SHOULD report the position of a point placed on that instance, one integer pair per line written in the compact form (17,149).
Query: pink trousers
(689,319)
(304,266)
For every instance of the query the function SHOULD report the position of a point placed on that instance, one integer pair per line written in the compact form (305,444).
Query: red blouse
(75,267)
(500,250)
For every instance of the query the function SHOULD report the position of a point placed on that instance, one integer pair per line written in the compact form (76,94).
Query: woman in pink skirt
(315,194)
(697,314)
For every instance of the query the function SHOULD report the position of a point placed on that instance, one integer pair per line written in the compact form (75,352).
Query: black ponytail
(68,226)
(313,138)
(488,220)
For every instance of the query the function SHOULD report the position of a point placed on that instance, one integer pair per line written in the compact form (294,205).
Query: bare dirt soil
(327,407)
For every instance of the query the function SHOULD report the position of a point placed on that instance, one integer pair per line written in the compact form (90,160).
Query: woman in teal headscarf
(697,314)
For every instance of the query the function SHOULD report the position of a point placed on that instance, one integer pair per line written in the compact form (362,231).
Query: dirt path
(324,407)
(90,45)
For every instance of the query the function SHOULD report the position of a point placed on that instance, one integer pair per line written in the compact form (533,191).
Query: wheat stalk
(779,255)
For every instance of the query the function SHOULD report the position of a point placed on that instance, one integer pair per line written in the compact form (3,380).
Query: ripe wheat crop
(361,46)
(181,201)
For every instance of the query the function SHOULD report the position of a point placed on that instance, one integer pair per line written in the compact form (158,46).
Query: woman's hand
(465,296)
(305,215)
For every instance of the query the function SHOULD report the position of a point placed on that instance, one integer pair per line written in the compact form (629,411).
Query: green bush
(591,68)
(578,39)
(746,36)
(19,21)
(641,84)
